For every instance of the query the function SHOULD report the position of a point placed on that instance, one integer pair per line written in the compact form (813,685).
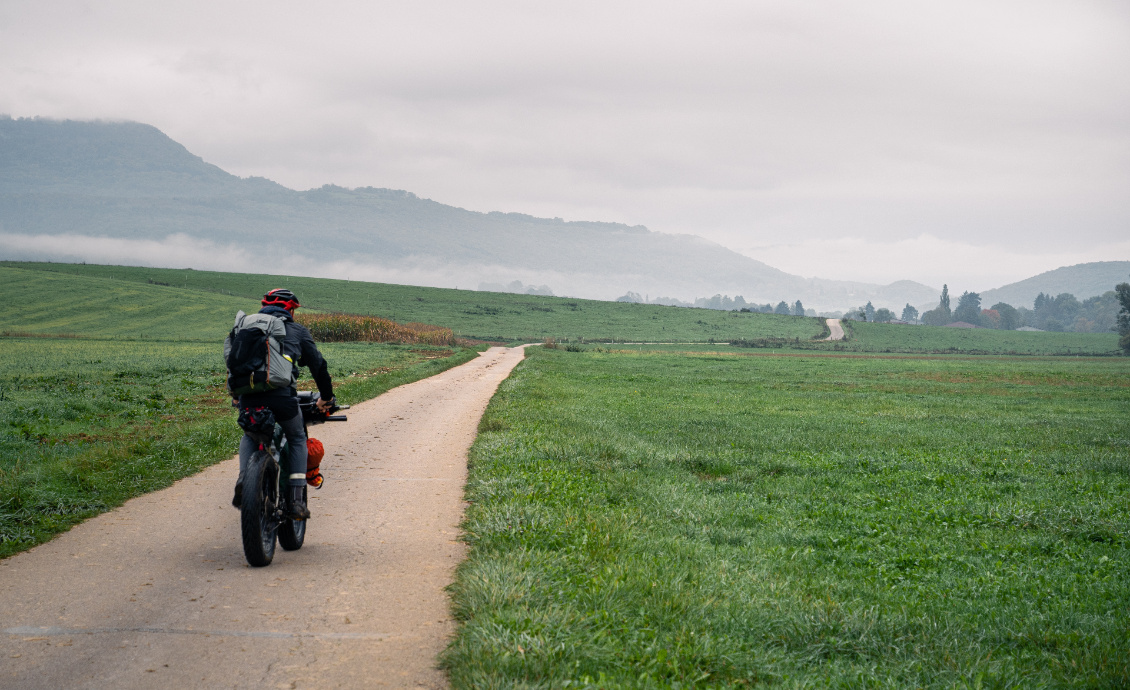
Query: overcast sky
(973,143)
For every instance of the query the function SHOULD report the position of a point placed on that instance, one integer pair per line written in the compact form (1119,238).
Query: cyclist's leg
(296,471)
(296,439)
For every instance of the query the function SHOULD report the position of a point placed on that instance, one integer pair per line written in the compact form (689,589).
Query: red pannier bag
(315,453)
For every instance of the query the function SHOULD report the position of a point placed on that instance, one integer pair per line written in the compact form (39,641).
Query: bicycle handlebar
(308,405)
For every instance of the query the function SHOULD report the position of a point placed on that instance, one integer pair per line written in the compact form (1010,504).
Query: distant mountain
(1081,280)
(124,192)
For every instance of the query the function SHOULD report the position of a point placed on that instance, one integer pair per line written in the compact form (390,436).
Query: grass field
(891,338)
(882,337)
(527,318)
(655,515)
(482,315)
(656,519)
(42,302)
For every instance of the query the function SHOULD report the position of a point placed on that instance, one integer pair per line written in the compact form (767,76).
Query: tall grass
(343,328)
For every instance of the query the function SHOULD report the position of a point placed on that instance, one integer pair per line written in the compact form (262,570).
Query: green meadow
(914,507)
(882,337)
(652,518)
(509,318)
(58,304)
(492,316)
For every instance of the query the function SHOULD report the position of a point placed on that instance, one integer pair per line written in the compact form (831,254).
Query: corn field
(340,328)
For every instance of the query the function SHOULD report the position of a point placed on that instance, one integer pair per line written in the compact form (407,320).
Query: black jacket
(299,346)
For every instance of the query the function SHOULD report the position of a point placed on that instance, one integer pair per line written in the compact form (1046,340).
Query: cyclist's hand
(325,405)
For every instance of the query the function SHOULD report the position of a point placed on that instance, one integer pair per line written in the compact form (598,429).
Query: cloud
(174,251)
(999,126)
(933,261)
(182,251)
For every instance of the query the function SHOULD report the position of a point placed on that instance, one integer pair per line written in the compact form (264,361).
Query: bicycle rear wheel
(293,532)
(257,514)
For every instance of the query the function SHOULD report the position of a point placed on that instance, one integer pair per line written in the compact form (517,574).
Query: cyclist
(299,347)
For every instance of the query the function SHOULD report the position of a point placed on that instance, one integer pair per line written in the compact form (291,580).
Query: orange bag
(315,452)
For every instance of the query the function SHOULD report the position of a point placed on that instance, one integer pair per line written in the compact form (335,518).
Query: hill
(130,302)
(123,191)
(1081,280)
(60,304)
(121,301)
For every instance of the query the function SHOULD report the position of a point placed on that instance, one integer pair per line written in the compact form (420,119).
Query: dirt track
(157,592)
(836,330)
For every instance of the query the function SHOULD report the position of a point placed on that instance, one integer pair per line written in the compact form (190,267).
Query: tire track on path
(156,593)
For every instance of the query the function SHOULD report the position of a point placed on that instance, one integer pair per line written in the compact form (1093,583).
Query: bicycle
(263,516)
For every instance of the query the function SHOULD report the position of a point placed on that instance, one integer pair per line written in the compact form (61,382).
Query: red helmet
(281,298)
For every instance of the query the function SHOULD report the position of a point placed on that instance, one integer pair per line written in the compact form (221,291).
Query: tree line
(1060,313)
(868,312)
(1122,290)
(723,302)
(1103,313)
(738,303)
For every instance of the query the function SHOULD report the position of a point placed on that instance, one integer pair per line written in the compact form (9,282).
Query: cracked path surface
(157,593)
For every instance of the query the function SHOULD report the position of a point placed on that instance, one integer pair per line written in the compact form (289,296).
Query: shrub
(340,328)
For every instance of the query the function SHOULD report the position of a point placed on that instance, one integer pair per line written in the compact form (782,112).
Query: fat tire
(293,532)
(257,514)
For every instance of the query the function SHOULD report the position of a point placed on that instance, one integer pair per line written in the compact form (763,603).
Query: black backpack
(254,357)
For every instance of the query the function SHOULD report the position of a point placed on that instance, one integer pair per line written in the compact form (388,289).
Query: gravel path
(157,593)
(836,330)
